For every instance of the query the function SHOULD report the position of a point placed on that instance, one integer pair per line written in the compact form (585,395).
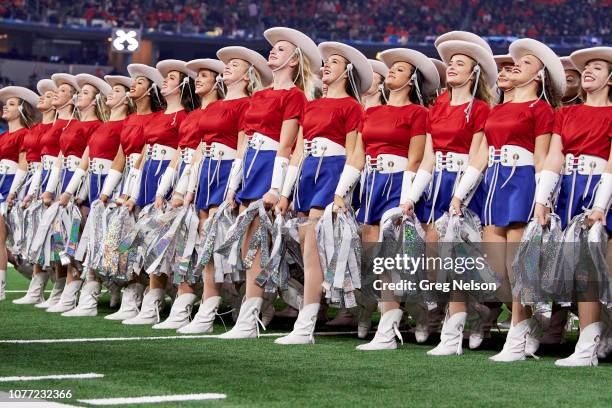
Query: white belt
(451,161)
(33,166)
(161,152)
(99,166)
(187,155)
(8,167)
(219,151)
(71,162)
(48,162)
(131,159)
(386,163)
(262,142)
(511,156)
(584,164)
(322,146)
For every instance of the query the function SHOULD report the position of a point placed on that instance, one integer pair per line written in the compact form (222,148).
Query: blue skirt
(320,194)
(213,182)
(582,200)
(259,178)
(513,202)
(386,191)
(152,172)
(44,179)
(65,179)
(5,187)
(96,182)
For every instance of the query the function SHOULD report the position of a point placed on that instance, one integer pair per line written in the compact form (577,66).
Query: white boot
(130,303)
(68,299)
(478,320)
(418,311)
(246,326)
(54,297)
(203,320)
(152,303)
(2,284)
(88,301)
(36,290)
(115,292)
(180,313)
(388,328)
(451,337)
(532,342)
(585,353)
(516,340)
(303,329)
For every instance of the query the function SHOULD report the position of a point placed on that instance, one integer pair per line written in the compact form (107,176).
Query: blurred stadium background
(41,37)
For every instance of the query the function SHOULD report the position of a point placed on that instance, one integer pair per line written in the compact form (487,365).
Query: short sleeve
(478,117)
(543,119)
(354,117)
(418,123)
(558,126)
(294,104)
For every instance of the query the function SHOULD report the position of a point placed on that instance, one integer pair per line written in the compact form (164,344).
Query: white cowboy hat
(98,83)
(210,64)
(20,92)
(297,38)
(528,46)
(45,85)
(503,59)
(581,57)
(142,70)
(226,54)
(353,56)
(417,59)
(568,64)
(441,67)
(484,59)
(118,80)
(166,66)
(463,36)
(60,79)
(379,67)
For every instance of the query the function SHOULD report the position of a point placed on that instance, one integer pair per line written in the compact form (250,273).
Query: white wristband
(468,182)
(75,181)
(83,192)
(290,179)
(546,183)
(35,182)
(235,175)
(183,183)
(165,184)
(407,179)
(110,182)
(348,178)
(52,182)
(194,178)
(20,175)
(279,172)
(604,191)
(134,184)
(419,184)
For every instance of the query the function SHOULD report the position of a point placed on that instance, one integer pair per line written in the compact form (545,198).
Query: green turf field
(259,373)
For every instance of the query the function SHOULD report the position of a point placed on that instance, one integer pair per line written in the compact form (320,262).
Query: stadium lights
(125,40)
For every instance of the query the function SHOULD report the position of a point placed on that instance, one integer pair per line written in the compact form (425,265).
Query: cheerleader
(145,97)
(517,135)
(102,147)
(220,136)
(327,138)
(31,146)
(454,135)
(504,71)
(73,142)
(18,111)
(392,144)
(271,125)
(375,95)
(580,146)
(162,139)
(572,81)
(209,88)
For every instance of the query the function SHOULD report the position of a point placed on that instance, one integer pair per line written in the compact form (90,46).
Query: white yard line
(110,339)
(154,399)
(52,377)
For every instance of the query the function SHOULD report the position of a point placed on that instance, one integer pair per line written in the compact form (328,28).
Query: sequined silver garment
(117,265)
(91,245)
(139,239)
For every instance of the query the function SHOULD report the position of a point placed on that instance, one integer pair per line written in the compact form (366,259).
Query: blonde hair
(255,83)
(102,110)
(302,77)
(483,92)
